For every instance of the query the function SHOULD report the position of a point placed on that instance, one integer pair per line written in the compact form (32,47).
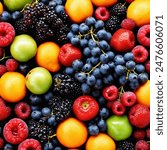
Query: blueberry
(102,125)
(139,68)
(96,51)
(83,28)
(94,60)
(99,24)
(122,80)
(36,114)
(111,55)
(54,141)
(104,69)
(81,77)
(132,76)
(6,16)
(58,148)
(52,4)
(101,100)
(108,79)
(130,65)
(59,2)
(111,65)
(91,80)
(48,146)
(119,70)
(134,84)
(77,64)
(52,121)
(16,15)
(8,147)
(96,93)
(104,58)
(85,88)
(48,96)
(128,56)
(59,9)
(119,60)
(143,77)
(102,34)
(92,44)
(108,36)
(88,61)
(33,108)
(35,99)
(75,28)
(46,111)
(90,21)
(45,2)
(97,73)
(83,43)
(75,40)
(69,71)
(104,112)
(87,51)
(24,68)
(93,130)
(103,45)
(87,67)
(70,35)
(99,84)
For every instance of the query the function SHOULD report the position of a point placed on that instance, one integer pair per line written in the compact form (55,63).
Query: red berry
(148,133)
(139,134)
(142,145)
(15,131)
(128,98)
(69,53)
(140,54)
(4,111)
(85,108)
(30,144)
(7,34)
(3,69)
(1,52)
(102,13)
(11,64)
(128,24)
(123,40)
(1,143)
(118,108)
(139,115)
(110,93)
(147,66)
(22,110)
(143,35)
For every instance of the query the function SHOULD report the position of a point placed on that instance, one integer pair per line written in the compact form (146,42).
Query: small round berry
(110,93)
(128,98)
(128,24)
(1,143)
(3,69)
(118,108)
(11,64)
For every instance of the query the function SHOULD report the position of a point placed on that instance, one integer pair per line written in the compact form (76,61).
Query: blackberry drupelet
(61,107)
(66,86)
(65,18)
(113,23)
(125,145)
(20,27)
(118,9)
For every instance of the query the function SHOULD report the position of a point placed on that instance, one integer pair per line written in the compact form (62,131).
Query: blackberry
(118,9)
(20,26)
(39,130)
(113,23)
(65,18)
(125,145)
(61,107)
(66,86)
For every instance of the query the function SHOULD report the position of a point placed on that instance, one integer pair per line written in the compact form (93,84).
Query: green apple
(23,48)
(38,80)
(119,127)
(14,5)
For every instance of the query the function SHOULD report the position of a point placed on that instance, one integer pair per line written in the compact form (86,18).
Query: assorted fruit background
(74,74)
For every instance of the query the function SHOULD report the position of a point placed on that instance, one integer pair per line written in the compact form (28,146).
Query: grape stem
(88,73)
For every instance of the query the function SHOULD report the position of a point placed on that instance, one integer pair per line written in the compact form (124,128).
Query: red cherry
(139,134)
(118,108)
(102,13)
(128,98)
(110,93)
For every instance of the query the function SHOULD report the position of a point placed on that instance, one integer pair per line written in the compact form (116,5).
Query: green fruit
(38,80)
(14,5)
(23,48)
(119,127)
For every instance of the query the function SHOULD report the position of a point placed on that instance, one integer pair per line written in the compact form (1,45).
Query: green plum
(23,48)
(119,127)
(38,80)
(14,5)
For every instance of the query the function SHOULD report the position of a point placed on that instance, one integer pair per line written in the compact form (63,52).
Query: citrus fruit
(139,12)
(100,142)
(47,56)
(79,10)
(13,88)
(72,133)
(1,8)
(104,3)
(143,94)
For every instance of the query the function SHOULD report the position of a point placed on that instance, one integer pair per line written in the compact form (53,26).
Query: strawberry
(4,110)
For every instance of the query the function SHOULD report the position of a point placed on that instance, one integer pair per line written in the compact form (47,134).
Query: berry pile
(74,74)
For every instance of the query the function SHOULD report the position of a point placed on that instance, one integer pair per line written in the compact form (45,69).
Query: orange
(139,12)
(47,56)
(12,86)
(105,3)
(143,94)
(72,133)
(100,142)
(79,10)
(1,8)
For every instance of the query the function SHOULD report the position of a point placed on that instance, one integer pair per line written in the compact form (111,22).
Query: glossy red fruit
(15,131)
(139,116)
(147,66)
(143,35)
(139,134)
(1,143)
(7,34)
(123,40)
(128,24)
(22,110)
(128,98)
(140,54)
(30,144)
(85,108)
(102,13)
(11,64)
(110,93)
(142,145)
(148,133)
(117,108)
(4,110)
(69,53)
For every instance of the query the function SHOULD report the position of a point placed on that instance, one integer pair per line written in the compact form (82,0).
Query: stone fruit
(105,3)
(119,127)
(38,80)
(23,48)
(1,8)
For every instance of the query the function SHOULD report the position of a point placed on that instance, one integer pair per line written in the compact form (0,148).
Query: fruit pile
(74,74)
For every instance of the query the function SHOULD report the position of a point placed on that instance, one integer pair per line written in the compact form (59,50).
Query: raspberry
(3,69)
(142,145)
(128,24)
(139,134)
(4,111)
(30,144)
(1,143)
(22,110)
(15,131)
(7,34)
(11,64)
